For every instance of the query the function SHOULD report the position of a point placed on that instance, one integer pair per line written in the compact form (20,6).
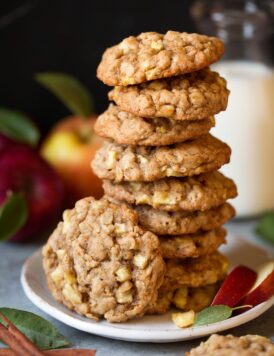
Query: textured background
(70,36)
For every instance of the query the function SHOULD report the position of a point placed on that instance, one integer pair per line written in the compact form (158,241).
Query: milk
(248,127)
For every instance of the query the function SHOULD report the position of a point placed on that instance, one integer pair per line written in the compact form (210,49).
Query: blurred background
(70,36)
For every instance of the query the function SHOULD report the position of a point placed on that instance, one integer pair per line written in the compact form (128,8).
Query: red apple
(6,142)
(263,288)
(235,286)
(23,170)
(70,148)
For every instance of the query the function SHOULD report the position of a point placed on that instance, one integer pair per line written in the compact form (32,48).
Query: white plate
(149,328)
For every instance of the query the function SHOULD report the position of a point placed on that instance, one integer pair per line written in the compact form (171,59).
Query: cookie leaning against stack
(161,159)
(100,263)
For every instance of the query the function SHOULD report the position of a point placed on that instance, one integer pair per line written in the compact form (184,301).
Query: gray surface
(11,295)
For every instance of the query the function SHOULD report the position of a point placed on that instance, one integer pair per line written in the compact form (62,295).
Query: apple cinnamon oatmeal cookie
(192,96)
(184,298)
(230,345)
(200,192)
(137,163)
(152,56)
(192,245)
(195,299)
(188,273)
(100,263)
(128,129)
(182,222)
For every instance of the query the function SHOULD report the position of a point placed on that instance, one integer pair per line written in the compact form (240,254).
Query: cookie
(192,96)
(163,303)
(181,222)
(184,298)
(230,345)
(192,245)
(134,163)
(100,263)
(152,56)
(200,192)
(191,273)
(196,272)
(195,299)
(128,129)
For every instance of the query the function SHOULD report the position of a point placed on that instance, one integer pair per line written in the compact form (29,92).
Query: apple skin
(6,142)
(235,286)
(70,148)
(263,292)
(23,170)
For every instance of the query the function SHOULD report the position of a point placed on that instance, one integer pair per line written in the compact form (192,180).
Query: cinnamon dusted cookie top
(152,56)
(192,96)
(181,222)
(200,192)
(128,129)
(188,274)
(229,345)
(134,163)
(192,245)
(101,263)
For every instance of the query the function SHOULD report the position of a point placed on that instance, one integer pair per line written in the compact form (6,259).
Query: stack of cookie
(161,159)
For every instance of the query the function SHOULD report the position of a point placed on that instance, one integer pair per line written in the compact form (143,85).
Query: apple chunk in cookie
(100,263)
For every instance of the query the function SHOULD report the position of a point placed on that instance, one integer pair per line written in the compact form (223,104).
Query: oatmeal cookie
(128,129)
(192,245)
(100,263)
(152,56)
(230,345)
(195,299)
(200,192)
(196,272)
(190,273)
(192,96)
(137,163)
(181,222)
(184,298)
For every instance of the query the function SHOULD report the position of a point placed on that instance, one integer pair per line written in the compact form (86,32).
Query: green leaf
(213,314)
(18,127)
(69,90)
(265,228)
(13,215)
(216,313)
(41,332)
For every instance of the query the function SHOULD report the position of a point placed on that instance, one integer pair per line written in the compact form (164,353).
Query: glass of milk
(248,123)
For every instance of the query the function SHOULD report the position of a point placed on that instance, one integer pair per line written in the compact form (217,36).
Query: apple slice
(263,288)
(235,286)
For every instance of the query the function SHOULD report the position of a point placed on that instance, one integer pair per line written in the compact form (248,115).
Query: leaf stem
(242,306)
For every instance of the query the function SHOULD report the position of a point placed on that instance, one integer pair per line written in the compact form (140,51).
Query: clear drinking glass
(246,27)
